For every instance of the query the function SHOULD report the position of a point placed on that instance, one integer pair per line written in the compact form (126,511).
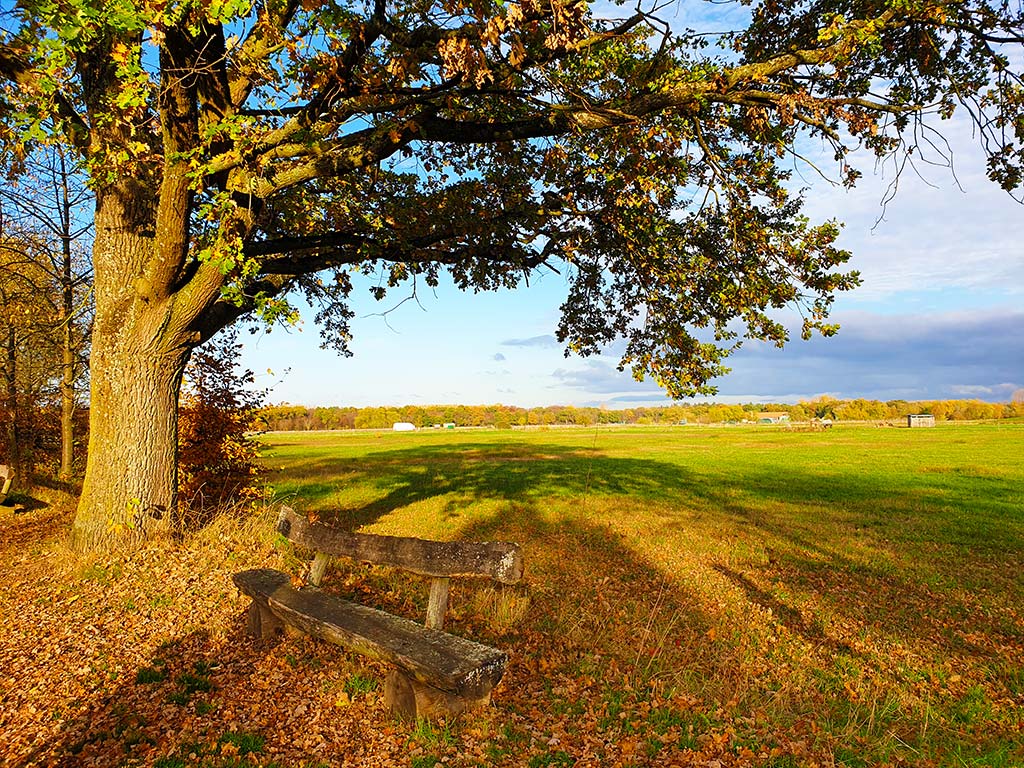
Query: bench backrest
(501,561)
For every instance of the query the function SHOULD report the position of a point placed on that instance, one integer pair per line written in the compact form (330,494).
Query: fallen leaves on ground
(144,660)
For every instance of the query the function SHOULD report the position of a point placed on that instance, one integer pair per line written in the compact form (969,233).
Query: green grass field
(850,597)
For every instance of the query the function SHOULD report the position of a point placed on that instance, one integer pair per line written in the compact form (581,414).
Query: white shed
(403,426)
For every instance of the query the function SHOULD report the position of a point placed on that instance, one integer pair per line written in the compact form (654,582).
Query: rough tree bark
(139,354)
(129,495)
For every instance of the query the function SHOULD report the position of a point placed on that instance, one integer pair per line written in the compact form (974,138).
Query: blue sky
(940,314)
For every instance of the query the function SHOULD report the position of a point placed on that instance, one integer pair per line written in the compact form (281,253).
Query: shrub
(217,455)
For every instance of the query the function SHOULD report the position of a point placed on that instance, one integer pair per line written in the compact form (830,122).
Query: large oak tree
(242,151)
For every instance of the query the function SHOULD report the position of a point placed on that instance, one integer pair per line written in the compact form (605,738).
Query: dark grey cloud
(976,354)
(953,355)
(534,341)
(601,377)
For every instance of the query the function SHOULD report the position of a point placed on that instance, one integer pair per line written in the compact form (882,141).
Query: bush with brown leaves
(217,453)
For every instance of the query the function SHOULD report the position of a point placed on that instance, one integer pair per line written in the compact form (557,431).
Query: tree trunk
(67,377)
(130,485)
(12,438)
(67,402)
(139,352)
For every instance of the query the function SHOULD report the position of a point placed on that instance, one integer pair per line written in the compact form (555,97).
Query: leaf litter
(143,659)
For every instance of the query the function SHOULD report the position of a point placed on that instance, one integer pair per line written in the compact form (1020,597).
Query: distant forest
(298,418)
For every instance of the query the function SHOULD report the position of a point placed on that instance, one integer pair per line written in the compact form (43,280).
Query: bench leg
(408,698)
(261,622)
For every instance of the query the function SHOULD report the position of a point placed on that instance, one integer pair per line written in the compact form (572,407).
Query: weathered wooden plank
(261,621)
(318,568)
(414,700)
(500,560)
(441,660)
(260,583)
(436,658)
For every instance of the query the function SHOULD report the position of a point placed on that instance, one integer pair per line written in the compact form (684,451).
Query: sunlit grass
(865,580)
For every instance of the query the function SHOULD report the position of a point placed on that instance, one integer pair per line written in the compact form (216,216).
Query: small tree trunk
(11,432)
(67,379)
(68,337)
(67,406)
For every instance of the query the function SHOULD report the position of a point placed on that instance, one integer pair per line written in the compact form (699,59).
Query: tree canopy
(492,138)
(241,151)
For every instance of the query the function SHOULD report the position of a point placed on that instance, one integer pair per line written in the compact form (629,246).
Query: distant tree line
(285,417)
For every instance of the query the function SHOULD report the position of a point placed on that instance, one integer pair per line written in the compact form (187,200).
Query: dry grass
(503,607)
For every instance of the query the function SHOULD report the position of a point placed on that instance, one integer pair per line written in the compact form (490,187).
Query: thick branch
(363,149)
(369,147)
(223,313)
(265,38)
(312,253)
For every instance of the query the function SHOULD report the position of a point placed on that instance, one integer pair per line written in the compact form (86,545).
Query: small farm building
(772,417)
(920,420)
(403,426)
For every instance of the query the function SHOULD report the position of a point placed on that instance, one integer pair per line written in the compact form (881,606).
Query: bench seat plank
(441,660)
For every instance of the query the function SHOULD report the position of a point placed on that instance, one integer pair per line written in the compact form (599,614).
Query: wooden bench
(435,673)
(6,478)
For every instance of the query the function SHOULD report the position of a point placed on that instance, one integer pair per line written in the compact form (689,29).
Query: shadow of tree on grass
(868,549)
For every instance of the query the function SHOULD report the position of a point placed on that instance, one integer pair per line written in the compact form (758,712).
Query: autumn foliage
(217,455)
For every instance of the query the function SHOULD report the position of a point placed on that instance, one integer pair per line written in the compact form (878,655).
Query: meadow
(735,596)
(850,596)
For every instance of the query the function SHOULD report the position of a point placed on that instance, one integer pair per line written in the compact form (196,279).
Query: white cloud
(600,377)
(547,340)
(1003,390)
(933,235)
